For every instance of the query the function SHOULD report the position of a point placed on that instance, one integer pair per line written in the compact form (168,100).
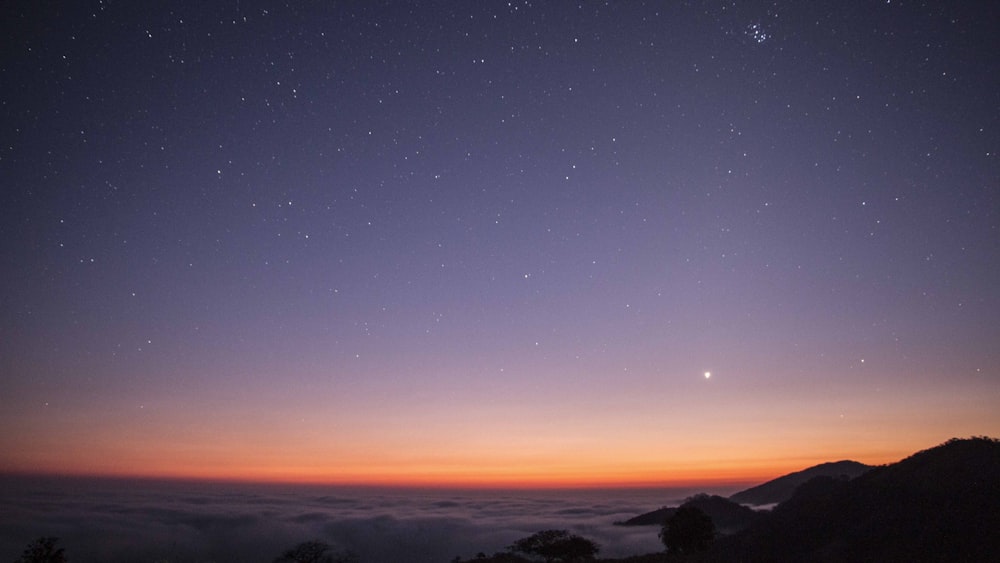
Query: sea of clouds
(134,521)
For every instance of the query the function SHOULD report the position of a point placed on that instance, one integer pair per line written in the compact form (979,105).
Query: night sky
(479,243)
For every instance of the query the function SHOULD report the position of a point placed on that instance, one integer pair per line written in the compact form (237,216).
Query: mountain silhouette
(941,504)
(729,515)
(781,489)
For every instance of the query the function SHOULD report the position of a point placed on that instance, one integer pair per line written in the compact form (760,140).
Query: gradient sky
(486,243)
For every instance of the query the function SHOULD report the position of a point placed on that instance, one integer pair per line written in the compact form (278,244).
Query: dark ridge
(941,504)
(781,489)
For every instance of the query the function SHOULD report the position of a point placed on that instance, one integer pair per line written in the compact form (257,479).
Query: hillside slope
(781,489)
(941,504)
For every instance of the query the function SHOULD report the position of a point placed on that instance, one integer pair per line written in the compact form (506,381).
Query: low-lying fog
(118,521)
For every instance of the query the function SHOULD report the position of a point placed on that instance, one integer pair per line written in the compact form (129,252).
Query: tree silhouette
(314,552)
(43,550)
(688,530)
(557,546)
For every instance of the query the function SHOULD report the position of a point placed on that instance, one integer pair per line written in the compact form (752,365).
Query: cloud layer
(119,521)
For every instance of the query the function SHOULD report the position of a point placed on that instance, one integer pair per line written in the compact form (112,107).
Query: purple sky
(382,242)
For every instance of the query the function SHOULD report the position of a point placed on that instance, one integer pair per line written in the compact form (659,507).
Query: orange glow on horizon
(432,481)
(475,445)
(708,476)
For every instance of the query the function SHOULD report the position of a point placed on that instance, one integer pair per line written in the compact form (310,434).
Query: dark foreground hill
(781,489)
(941,504)
(728,516)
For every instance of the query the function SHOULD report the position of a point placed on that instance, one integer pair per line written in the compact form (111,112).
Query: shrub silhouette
(314,552)
(43,550)
(557,546)
(688,530)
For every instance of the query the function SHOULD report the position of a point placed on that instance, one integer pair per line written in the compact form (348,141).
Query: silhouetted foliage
(499,557)
(557,545)
(688,530)
(314,552)
(43,550)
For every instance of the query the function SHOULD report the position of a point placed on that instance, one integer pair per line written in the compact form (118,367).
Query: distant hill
(941,504)
(728,517)
(781,489)
(729,514)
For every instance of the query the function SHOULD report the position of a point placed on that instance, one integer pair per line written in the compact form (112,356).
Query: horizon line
(484,485)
